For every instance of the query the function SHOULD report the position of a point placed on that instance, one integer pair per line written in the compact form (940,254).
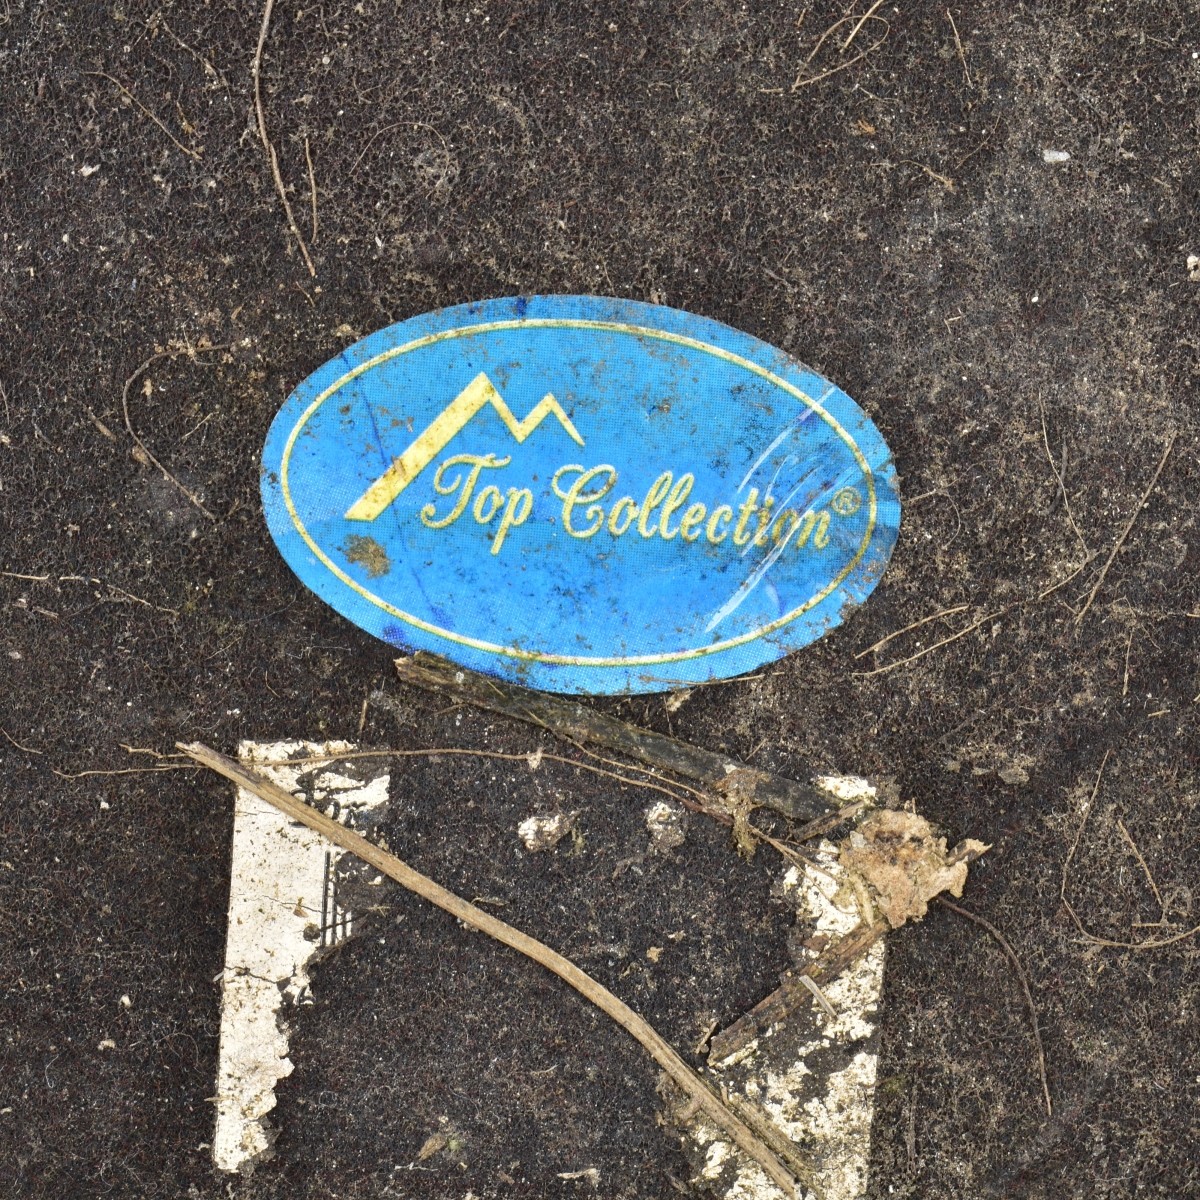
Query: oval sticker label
(580,494)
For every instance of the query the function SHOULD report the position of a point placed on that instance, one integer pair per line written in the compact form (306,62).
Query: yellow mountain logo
(478,394)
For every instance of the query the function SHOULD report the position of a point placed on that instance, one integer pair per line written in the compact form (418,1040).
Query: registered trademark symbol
(846,502)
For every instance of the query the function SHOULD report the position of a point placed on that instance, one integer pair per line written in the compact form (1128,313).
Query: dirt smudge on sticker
(367,553)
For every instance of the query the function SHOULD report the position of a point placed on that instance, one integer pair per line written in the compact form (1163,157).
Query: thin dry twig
(883,641)
(1145,869)
(958,44)
(100,425)
(936,176)
(1088,556)
(312,187)
(117,592)
(191,352)
(155,754)
(1108,562)
(698,805)
(1086,934)
(24,749)
(903,662)
(122,594)
(124,771)
(1062,583)
(104,75)
(1066,867)
(434,751)
(711,770)
(802,82)
(699,1092)
(1023,978)
(861,22)
(208,66)
(272,157)
(1054,587)
(823,38)
(371,142)
(1062,486)
(702,797)
(1151,944)
(819,996)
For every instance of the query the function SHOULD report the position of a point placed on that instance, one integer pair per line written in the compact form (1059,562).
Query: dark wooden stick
(578,723)
(791,995)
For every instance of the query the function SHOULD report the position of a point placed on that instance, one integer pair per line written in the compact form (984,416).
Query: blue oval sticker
(580,494)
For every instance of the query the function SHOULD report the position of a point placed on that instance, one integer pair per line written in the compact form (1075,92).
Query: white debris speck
(666,825)
(718,1152)
(588,1175)
(1053,157)
(126,1002)
(544,830)
(1193,266)
(85,170)
(846,788)
(107,1044)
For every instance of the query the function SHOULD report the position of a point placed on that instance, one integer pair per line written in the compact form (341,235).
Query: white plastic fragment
(282,909)
(828,1112)
(846,788)
(1053,157)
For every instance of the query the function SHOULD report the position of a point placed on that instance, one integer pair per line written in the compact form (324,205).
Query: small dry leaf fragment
(737,792)
(897,855)
(433,1143)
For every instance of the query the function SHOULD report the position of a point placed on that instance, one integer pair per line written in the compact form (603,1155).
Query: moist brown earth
(1025,334)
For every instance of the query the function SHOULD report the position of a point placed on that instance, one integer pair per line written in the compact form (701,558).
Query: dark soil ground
(895,225)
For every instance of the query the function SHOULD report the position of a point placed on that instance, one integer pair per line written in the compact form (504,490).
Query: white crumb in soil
(666,825)
(846,788)
(543,831)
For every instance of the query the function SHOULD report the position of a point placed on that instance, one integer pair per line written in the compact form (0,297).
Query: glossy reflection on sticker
(580,494)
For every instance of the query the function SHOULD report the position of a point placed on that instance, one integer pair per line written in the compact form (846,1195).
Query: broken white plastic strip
(816,1085)
(283,909)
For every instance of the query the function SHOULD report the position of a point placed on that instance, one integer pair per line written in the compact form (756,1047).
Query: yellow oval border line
(609,327)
